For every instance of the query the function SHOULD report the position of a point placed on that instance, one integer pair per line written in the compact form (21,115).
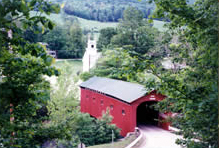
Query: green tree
(75,43)
(123,39)
(31,35)
(145,39)
(23,89)
(192,91)
(105,37)
(68,41)
(96,131)
(132,19)
(76,37)
(134,31)
(56,39)
(63,106)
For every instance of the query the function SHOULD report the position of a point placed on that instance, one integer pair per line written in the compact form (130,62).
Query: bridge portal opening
(146,114)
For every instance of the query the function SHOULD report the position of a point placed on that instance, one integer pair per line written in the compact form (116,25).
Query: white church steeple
(90,56)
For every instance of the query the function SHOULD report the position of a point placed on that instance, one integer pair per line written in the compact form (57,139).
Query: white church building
(90,56)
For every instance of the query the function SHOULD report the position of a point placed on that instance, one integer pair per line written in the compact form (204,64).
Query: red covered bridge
(129,103)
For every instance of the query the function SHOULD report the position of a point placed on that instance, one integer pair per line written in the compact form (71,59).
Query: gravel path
(155,137)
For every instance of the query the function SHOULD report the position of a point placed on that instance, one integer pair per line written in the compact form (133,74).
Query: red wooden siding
(95,104)
(124,114)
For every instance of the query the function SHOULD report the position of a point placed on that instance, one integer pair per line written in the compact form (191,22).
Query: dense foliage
(191,89)
(105,37)
(68,41)
(105,10)
(23,90)
(28,118)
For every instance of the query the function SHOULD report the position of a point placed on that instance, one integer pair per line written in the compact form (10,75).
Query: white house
(90,56)
(49,52)
(168,64)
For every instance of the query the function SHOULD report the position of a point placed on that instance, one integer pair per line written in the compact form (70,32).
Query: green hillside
(96,26)
(104,10)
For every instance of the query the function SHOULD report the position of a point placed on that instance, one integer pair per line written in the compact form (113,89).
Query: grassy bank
(119,144)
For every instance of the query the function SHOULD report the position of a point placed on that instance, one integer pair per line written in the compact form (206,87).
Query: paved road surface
(155,137)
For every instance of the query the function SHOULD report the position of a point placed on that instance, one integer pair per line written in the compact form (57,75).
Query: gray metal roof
(122,90)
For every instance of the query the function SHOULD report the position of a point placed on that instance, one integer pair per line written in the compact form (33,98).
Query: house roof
(124,91)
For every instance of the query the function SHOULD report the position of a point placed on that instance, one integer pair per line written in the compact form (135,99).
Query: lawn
(119,144)
(159,25)
(72,66)
(89,24)
(97,26)
(70,70)
(67,83)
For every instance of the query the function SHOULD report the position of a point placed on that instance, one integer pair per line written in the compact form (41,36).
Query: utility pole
(112,139)
(11,109)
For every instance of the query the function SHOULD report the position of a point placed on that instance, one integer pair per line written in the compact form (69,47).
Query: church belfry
(90,56)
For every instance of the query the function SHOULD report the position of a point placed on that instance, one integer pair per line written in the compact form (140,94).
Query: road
(155,137)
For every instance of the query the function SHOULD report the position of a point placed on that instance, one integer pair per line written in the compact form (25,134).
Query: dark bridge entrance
(146,114)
